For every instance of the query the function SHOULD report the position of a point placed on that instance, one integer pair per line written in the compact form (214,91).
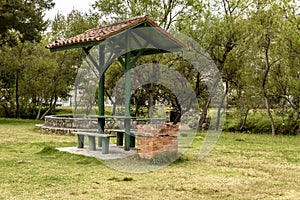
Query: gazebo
(126,41)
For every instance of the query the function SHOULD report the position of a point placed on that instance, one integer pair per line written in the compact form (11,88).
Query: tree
(32,78)
(76,22)
(63,27)
(287,73)
(41,79)
(266,48)
(163,12)
(217,26)
(22,20)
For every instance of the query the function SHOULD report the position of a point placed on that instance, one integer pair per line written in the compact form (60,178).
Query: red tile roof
(101,33)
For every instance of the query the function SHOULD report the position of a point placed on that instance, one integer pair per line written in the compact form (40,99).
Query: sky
(66,6)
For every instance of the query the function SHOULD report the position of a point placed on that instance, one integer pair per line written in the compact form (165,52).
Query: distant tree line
(254,44)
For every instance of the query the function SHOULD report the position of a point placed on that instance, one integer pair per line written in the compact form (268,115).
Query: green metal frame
(130,59)
(127,64)
(101,107)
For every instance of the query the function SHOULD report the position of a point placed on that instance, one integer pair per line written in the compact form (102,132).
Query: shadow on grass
(132,164)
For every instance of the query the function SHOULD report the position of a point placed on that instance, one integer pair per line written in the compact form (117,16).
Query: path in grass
(242,166)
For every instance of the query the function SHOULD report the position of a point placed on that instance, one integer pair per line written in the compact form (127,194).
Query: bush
(259,122)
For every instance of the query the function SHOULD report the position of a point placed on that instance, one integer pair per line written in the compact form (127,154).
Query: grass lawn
(241,166)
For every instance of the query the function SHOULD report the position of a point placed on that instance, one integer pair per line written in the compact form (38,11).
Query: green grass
(241,166)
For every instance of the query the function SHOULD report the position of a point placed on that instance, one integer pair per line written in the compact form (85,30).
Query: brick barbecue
(157,140)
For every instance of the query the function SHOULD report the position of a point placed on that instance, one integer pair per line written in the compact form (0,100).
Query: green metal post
(128,64)
(101,121)
(127,98)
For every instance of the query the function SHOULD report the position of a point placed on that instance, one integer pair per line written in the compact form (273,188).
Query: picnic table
(129,131)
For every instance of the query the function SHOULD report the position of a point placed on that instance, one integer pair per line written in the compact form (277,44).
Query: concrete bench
(120,136)
(92,140)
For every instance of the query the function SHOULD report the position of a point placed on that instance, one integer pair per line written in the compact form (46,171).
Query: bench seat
(92,141)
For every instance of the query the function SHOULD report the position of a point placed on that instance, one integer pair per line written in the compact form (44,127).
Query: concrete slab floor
(115,152)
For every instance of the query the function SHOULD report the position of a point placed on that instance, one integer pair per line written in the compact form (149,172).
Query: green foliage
(32,78)
(22,20)
(249,43)
(258,122)
(253,43)
(163,12)
(36,76)
(76,22)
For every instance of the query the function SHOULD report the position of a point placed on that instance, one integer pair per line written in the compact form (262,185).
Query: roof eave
(145,20)
(74,46)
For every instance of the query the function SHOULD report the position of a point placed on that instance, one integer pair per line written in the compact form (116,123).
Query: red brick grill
(157,140)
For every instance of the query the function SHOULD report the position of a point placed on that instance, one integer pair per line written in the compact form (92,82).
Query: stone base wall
(65,124)
(70,122)
(157,140)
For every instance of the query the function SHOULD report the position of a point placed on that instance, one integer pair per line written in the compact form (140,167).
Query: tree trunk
(203,114)
(75,103)
(244,120)
(17,114)
(150,101)
(151,90)
(113,108)
(40,108)
(39,112)
(265,78)
(43,116)
(53,105)
(113,102)
(221,106)
(220,64)
(137,107)
(179,111)
(270,115)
